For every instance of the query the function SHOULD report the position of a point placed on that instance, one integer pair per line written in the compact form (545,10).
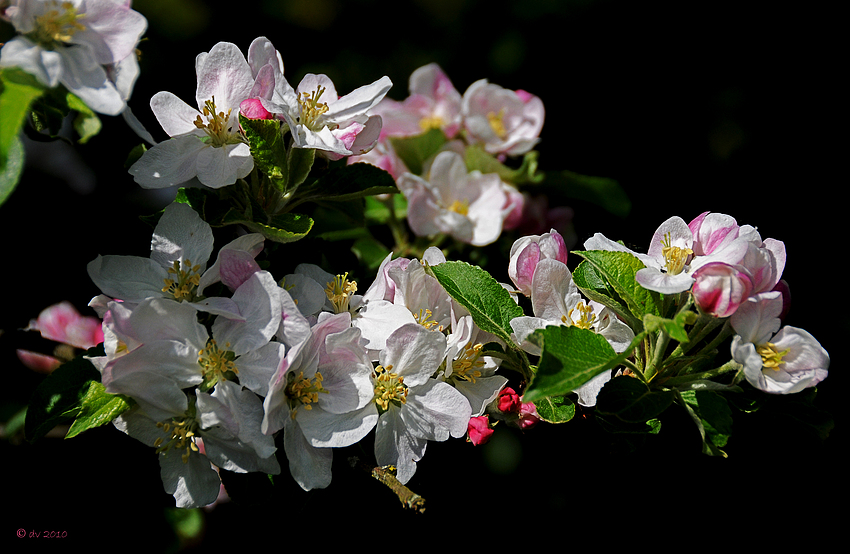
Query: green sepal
(59,397)
(555,409)
(490,305)
(570,357)
(477,158)
(268,149)
(86,123)
(630,401)
(619,269)
(98,408)
(712,416)
(416,150)
(282,228)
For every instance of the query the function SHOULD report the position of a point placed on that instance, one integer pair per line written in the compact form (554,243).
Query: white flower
(75,43)
(505,121)
(206,142)
(415,408)
(318,118)
(221,428)
(468,206)
(785,362)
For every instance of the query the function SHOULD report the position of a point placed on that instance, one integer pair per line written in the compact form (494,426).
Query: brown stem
(386,475)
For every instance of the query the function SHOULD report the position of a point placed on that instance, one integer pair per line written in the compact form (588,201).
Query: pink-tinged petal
(262,53)
(665,283)
(367,138)
(552,289)
(356,103)
(719,289)
(712,232)
(236,267)
(112,31)
(680,236)
(88,80)
(757,319)
(526,263)
(174,115)
(181,234)
(414,352)
(225,76)
(219,167)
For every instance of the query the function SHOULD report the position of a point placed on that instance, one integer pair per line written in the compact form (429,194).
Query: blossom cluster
(207,141)
(221,357)
(471,206)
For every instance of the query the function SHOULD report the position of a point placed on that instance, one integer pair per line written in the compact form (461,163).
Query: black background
(724,106)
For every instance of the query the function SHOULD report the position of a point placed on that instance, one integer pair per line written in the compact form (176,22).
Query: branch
(386,475)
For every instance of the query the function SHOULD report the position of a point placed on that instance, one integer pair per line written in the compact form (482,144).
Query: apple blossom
(479,430)
(782,362)
(320,119)
(207,142)
(74,43)
(504,121)
(471,207)
(61,323)
(527,251)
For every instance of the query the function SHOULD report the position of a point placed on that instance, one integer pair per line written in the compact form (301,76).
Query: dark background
(723,106)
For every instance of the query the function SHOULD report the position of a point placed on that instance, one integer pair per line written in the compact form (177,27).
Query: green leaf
(98,408)
(712,416)
(283,228)
(570,357)
(10,172)
(491,306)
(601,191)
(18,90)
(619,269)
(370,252)
(673,327)
(349,182)
(87,123)
(477,158)
(629,400)
(300,162)
(595,288)
(555,409)
(59,397)
(378,212)
(414,151)
(267,148)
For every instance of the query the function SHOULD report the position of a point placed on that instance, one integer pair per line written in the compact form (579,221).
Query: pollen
(181,436)
(57,25)
(339,291)
(675,258)
(303,392)
(497,124)
(182,281)
(218,126)
(460,206)
(311,108)
(771,358)
(467,366)
(389,388)
(216,364)
(586,317)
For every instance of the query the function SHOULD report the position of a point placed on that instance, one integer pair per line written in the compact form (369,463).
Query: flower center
(182,435)
(675,257)
(311,108)
(389,387)
(181,285)
(423,318)
(770,357)
(217,126)
(430,122)
(58,24)
(302,391)
(460,206)
(586,317)
(339,292)
(496,121)
(467,366)
(216,365)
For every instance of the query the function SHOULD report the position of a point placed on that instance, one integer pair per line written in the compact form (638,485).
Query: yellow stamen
(770,357)
(675,257)
(182,431)
(431,122)
(339,291)
(496,121)
(389,388)
(423,318)
(302,391)
(216,364)
(460,206)
(218,127)
(58,25)
(467,366)
(311,108)
(585,320)
(182,286)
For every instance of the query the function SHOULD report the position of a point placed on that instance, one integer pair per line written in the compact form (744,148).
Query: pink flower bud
(252,108)
(528,417)
(528,251)
(479,430)
(712,232)
(720,288)
(61,323)
(509,401)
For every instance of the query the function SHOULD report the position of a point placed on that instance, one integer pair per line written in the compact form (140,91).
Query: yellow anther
(675,258)
(423,318)
(182,435)
(431,122)
(770,357)
(303,392)
(216,364)
(58,25)
(185,281)
(339,291)
(311,108)
(389,388)
(585,320)
(218,127)
(460,206)
(467,366)
(496,121)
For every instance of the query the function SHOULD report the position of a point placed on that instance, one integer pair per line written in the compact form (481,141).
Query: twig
(386,475)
